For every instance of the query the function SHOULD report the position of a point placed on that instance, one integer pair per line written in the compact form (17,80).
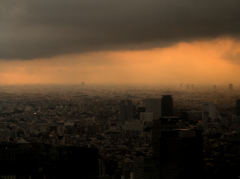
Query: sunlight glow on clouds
(196,62)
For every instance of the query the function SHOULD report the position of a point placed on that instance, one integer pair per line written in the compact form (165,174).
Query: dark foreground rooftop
(47,161)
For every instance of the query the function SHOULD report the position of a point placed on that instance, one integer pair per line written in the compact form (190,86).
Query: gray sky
(32,29)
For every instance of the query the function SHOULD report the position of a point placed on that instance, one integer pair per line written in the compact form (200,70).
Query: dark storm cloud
(35,29)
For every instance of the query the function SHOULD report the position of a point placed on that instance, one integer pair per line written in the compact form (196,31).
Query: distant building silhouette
(126,111)
(167,105)
(214,88)
(153,105)
(230,87)
(130,110)
(180,86)
(187,86)
(192,86)
(238,107)
(209,111)
(82,84)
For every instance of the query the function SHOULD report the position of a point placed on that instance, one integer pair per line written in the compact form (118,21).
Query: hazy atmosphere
(114,89)
(66,42)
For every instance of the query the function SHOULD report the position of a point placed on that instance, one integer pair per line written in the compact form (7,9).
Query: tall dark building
(167,105)
(126,111)
(185,116)
(238,107)
(230,87)
(146,167)
(181,154)
(159,125)
(130,110)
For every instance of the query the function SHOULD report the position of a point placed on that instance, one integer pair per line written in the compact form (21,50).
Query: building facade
(153,105)
(167,105)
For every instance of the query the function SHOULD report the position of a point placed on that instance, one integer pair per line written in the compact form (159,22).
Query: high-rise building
(180,86)
(167,105)
(192,86)
(163,124)
(238,107)
(146,167)
(209,111)
(153,105)
(181,154)
(230,87)
(126,112)
(130,110)
(187,86)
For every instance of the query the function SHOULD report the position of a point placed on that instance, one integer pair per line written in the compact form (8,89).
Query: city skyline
(117,131)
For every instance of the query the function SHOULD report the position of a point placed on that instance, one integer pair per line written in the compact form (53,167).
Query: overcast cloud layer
(39,29)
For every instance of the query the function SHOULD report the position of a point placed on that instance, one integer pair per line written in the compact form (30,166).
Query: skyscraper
(126,111)
(159,125)
(181,153)
(238,108)
(130,110)
(167,105)
(153,105)
(146,167)
(209,111)
(230,87)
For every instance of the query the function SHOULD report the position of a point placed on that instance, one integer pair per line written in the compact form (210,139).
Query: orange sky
(196,62)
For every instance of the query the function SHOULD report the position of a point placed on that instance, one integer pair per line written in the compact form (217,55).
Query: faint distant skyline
(186,41)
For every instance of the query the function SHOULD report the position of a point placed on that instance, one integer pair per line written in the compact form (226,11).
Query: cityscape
(114,89)
(119,132)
